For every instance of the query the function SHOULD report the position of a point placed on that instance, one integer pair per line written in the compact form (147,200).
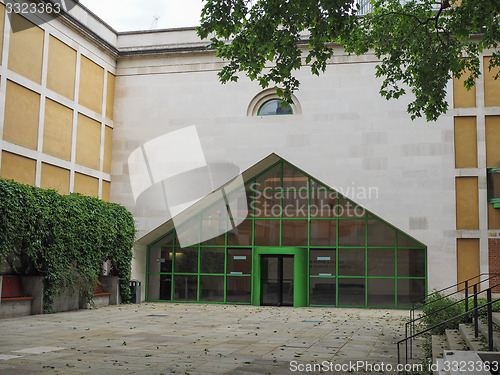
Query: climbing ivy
(64,238)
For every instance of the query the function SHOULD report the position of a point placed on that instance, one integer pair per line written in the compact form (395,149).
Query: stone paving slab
(155,338)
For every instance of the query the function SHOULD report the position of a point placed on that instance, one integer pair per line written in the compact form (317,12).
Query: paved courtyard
(155,338)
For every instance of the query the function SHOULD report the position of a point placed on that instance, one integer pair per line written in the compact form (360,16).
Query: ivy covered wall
(64,238)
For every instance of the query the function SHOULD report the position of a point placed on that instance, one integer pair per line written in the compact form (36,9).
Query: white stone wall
(347,136)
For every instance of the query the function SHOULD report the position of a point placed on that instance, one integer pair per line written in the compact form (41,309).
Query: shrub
(64,238)
(433,315)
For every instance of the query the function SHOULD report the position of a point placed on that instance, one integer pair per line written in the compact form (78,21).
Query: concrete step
(463,362)
(472,342)
(483,328)
(440,367)
(439,345)
(496,318)
(454,340)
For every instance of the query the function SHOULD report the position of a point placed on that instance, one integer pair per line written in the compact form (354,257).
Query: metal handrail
(474,310)
(466,289)
(415,301)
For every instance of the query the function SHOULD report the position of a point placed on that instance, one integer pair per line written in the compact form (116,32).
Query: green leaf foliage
(421,44)
(64,238)
(439,309)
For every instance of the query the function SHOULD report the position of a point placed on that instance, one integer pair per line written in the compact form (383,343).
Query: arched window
(275,107)
(267,103)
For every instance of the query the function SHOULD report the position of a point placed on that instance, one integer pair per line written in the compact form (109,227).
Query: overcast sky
(130,15)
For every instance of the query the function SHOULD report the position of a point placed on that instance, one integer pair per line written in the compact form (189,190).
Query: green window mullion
(198,273)
(225,273)
(308,274)
(366,261)
(425,274)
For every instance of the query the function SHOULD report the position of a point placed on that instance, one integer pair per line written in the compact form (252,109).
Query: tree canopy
(421,44)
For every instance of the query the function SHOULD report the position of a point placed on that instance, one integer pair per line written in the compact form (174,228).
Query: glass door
(277,280)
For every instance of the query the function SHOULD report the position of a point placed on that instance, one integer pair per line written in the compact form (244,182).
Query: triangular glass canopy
(355,258)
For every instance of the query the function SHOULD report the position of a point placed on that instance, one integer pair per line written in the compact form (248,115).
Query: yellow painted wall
(461,97)
(491,86)
(26,48)
(492,141)
(18,168)
(110,96)
(57,131)
(467,200)
(61,69)
(493,217)
(108,136)
(22,107)
(465,142)
(88,142)
(55,178)
(86,185)
(91,85)
(106,185)
(467,258)
(2,24)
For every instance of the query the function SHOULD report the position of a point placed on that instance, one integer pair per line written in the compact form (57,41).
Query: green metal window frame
(255,249)
(491,187)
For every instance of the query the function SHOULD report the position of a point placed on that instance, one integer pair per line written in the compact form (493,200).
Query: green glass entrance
(279,276)
(348,255)
(276,280)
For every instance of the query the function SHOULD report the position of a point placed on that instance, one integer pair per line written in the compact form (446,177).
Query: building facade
(140,118)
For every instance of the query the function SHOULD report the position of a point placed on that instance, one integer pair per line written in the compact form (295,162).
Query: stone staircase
(460,352)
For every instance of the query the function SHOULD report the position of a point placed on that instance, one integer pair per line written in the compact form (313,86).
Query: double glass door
(276,280)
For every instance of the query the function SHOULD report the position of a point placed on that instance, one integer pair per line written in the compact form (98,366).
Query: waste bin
(135,290)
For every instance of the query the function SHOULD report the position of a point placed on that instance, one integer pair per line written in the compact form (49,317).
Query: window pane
(240,201)
(239,261)
(275,107)
(411,262)
(167,240)
(214,231)
(322,291)
(323,203)
(352,233)
(495,189)
(186,260)
(160,287)
(409,290)
(185,288)
(239,289)
(323,233)
(381,262)
(380,234)
(405,241)
(160,259)
(381,292)
(241,235)
(322,262)
(295,203)
(212,288)
(212,259)
(270,179)
(294,233)
(351,292)
(347,209)
(267,232)
(268,204)
(292,178)
(352,262)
